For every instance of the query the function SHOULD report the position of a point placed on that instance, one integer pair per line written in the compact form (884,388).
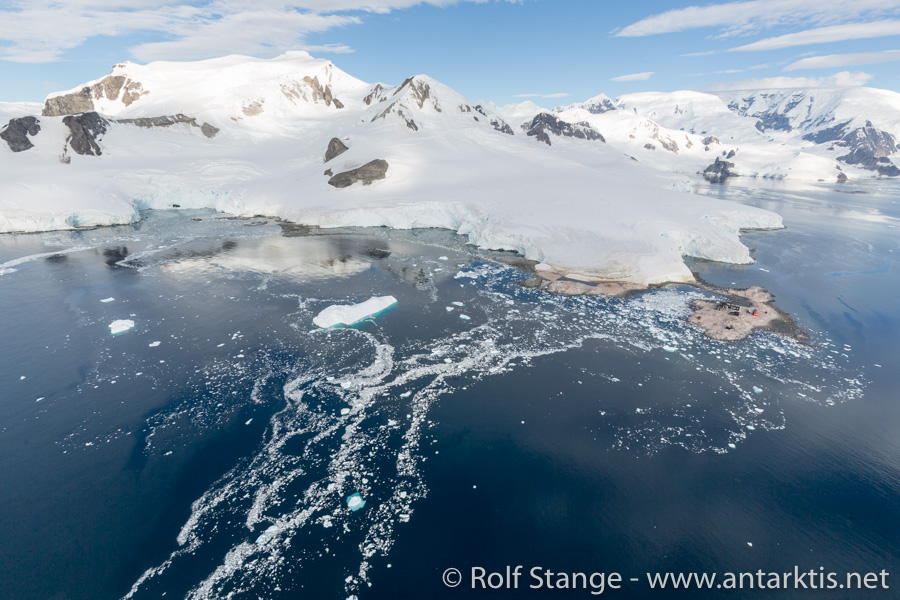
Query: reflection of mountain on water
(295,258)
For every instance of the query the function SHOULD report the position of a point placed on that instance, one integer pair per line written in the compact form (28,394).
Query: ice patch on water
(352,313)
(120,325)
(106,300)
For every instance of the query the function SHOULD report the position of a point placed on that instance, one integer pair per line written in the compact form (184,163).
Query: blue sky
(549,51)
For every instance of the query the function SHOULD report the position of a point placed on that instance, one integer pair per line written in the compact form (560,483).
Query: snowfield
(248,137)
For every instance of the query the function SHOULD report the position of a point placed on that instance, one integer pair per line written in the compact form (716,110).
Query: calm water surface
(210,450)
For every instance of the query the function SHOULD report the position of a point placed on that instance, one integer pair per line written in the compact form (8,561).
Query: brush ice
(120,325)
(348,314)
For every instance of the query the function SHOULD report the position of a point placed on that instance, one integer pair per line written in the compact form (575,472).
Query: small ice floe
(750,544)
(120,325)
(757,390)
(763,270)
(343,314)
(458,303)
(751,428)
(169,453)
(670,348)
(39,399)
(406,394)
(21,377)
(110,299)
(248,421)
(465,317)
(345,411)
(449,308)
(154,344)
(732,446)
(404,518)
(443,258)
(355,502)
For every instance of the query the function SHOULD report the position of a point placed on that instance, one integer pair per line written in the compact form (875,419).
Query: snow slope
(581,207)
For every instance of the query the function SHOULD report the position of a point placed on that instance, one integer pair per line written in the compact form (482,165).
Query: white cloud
(36,31)
(755,15)
(844,60)
(706,53)
(634,77)
(842,79)
(825,35)
(554,95)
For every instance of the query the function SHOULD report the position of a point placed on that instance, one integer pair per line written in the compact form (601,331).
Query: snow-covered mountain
(587,189)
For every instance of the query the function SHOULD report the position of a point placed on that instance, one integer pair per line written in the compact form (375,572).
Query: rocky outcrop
(496,122)
(168,120)
(869,147)
(545,123)
(310,89)
(82,101)
(719,171)
(369,172)
(16,133)
(379,93)
(85,131)
(335,148)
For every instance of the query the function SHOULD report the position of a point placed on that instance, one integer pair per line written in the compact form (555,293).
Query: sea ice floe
(757,390)
(120,325)
(670,348)
(154,344)
(443,258)
(345,411)
(449,308)
(458,303)
(355,502)
(110,299)
(344,314)
(465,317)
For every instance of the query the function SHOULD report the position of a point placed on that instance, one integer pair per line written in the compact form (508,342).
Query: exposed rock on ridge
(82,101)
(545,122)
(719,171)
(17,131)
(85,131)
(168,120)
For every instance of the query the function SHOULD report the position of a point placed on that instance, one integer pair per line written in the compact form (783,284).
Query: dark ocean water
(541,431)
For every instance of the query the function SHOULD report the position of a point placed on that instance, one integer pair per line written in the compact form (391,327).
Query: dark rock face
(335,148)
(83,101)
(167,120)
(85,131)
(869,147)
(17,131)
(730,154)
(602,106)
(545,122)
(719,171)
(369,172)
(379,93)
(842,177)
(496,122)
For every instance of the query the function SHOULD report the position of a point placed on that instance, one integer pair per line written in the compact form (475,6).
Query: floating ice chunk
(248,421)
(110,299)
(406,394)
(465,317)
(342,314)
(39,399)
(449,308)
(732,446)
(750,544)
(670,348)
(345,411)
(266,536)
(404,518)
(154,344)
(458,303)
(757,390)
(120,325)
(355,502)
(443,258)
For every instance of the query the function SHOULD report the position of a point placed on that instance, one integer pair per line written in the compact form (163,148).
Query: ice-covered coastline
(581,208)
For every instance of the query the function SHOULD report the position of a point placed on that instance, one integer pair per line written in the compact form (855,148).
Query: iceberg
(120,325)
(348,314)
(355,502)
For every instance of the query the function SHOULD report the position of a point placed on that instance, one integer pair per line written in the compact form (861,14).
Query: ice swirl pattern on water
(346,430)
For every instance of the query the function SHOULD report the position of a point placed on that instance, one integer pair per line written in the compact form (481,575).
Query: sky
(552,52)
